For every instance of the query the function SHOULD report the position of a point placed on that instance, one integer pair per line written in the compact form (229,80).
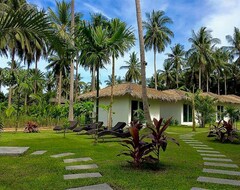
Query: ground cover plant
(179,167)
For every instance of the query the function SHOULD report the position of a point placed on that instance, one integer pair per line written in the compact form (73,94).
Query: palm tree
(167,74)
(122,38)
(176,57)
(201,50)
(143,64)
(95,50)
(60,66)
(133,73)
(158,35)
(235,44)
(117,80)
(71,114)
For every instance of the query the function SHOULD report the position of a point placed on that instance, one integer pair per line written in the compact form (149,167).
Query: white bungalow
(168,103)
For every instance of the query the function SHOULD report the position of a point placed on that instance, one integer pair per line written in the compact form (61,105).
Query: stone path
(83,175)
(214,159)
(12,151)
(103,186)
(39,152)
(62,155)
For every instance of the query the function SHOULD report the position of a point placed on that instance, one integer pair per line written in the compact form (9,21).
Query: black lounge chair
(57,128)
(72,125)
(89,127)
(117,128)
(97,127)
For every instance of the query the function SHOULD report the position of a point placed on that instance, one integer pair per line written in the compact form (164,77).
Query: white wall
(154,109)
(121,108)
(172,109)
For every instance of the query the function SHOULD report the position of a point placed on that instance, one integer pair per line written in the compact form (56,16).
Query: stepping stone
(80,176)
(103,186)
(200,145)
(217,159)
(81,167)
(62,155)
(213,155)
(219,181)
(71,160)
(203,148)
(12,151)
(197,188)
(194,142)
(220,164)
(227,172)
(208,151)
(39,152)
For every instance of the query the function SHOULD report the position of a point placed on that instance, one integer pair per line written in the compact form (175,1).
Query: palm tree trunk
(93,77)
(155,67)
(111,101)
(10,87)
(177,75)
(70,116)
(60,88)
(35,82)
(225,84)
(218,83)
(143,72)
(199,78)
(207,83)
(97,98)
(76,80)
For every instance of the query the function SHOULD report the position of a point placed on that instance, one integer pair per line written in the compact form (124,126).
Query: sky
(220,16)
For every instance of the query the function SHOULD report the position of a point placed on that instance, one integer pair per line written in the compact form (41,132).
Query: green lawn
(180,165)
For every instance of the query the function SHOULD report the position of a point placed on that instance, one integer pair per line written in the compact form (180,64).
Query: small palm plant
(159,140)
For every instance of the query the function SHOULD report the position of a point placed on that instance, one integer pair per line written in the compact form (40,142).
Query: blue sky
(218,15)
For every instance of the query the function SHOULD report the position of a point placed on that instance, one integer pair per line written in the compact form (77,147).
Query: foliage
(159,140)
(206,112)
(1,124)
(9,111)
(224,132)
(140,150)
(138,115)
(31,127)
(233,113)
(137,149)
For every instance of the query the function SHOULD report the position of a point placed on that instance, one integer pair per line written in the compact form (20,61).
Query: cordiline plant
(159,140)
(137,148)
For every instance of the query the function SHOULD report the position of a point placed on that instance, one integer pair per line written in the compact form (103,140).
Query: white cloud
(224,17)
(95,10)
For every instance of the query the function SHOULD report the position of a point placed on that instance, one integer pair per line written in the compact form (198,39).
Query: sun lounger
(89,127)
(117,128)
(72,125)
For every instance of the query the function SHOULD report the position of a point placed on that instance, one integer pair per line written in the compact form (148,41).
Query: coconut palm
(158,35)
(60,67)
(176,57)
(117,80)
(167,74)
(201,50)
(143,63)
(133,73)
(122,38)
(235,44)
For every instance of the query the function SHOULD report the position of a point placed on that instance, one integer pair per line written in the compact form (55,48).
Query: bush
(224,132)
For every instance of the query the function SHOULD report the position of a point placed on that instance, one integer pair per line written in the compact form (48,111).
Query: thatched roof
(135,91)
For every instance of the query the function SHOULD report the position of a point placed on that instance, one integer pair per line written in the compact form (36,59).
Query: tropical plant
(158,35)
(133,73)
(224,132)
(201,51)
(159,140)
(176,57)
(205,109)
(235,44)
(137,149)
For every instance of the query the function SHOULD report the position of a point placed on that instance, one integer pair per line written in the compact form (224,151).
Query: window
(136,105)
(187,113)
(220,112)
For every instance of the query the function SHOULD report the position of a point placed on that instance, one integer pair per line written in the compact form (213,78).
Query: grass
(180,165)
